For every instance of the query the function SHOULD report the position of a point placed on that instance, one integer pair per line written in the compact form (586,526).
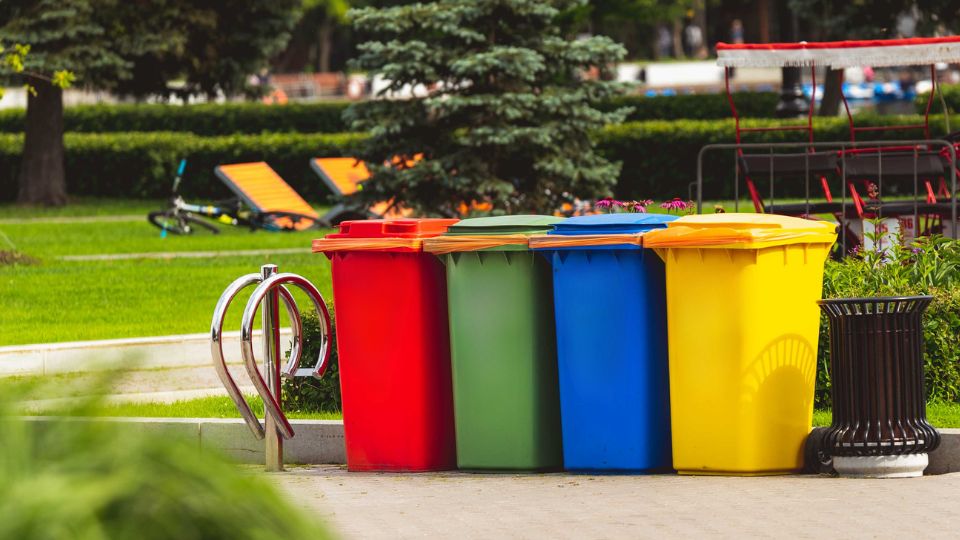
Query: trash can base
(904,466)
(699,472)
(400,469)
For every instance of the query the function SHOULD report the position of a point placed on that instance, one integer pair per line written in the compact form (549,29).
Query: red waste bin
(390,303)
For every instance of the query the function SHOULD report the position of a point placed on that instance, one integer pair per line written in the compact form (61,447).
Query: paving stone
(465,505)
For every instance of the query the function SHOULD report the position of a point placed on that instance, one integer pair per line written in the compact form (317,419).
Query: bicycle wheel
(172,222)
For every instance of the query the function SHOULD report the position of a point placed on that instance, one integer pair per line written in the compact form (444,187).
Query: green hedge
(951,95)
(696,106)
(203,119)
(325,117)
(659,158)
(142,165)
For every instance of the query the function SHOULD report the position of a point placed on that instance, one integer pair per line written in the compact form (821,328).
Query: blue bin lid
(626,223)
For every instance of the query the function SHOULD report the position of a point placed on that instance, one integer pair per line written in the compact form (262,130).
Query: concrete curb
(946,458)
(321,441)
(186,350)
(315,441)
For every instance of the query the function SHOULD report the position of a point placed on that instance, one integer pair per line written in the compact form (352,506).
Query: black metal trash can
(879,426)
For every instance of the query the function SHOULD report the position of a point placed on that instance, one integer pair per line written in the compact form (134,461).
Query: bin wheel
(816,457)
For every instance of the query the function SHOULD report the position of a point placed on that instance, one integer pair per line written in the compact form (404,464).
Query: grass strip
(941,415)
(205,407)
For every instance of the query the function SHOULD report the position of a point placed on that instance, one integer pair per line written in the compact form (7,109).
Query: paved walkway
(461,505)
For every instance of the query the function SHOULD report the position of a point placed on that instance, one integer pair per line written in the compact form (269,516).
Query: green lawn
(83,207)
(941,415)
(208,407)
(55,300)
(48,240)
(74,301)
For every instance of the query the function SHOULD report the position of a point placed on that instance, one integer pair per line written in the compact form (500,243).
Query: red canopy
(841,54)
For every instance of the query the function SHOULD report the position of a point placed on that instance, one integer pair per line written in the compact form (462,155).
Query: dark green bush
(325,117)
(951,95)
(659,158)
(142,165)
(930,266)
(202,119)
(305,394)
(695,106)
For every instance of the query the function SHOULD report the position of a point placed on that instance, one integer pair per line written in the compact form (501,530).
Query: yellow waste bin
(743,324)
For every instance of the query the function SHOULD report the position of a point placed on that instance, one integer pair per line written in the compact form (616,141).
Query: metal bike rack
(271,289)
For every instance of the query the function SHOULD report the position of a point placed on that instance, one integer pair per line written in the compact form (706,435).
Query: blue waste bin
(609,296)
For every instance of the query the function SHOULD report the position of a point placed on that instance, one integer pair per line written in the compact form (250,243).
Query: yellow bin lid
(740,231)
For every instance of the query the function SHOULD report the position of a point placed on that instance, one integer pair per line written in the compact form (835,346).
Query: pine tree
(503,110)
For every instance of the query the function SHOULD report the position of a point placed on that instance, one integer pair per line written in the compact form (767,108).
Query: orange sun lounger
(343,175)
(262,189)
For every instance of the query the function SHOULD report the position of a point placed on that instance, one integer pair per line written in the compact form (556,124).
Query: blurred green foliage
(91,480)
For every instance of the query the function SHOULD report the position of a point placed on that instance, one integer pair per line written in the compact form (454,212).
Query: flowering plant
(614,206)
(679,205)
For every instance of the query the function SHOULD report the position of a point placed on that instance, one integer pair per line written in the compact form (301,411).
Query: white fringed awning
(842,54)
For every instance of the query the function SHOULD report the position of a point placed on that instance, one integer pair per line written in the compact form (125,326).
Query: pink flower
(641,206)
(604,203)
(678,204)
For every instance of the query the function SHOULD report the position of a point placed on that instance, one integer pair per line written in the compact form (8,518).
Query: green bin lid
(524,224)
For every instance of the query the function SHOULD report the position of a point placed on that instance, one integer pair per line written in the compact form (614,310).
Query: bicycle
(184,218)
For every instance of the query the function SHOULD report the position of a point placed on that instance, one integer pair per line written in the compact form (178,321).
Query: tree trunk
(325,45)
(42,179)
(832,86)
(677,39)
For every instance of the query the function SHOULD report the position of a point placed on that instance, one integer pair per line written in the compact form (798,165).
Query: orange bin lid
(382,235)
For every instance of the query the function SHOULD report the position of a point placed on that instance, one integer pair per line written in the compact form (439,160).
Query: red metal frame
(751,187)
(925,126)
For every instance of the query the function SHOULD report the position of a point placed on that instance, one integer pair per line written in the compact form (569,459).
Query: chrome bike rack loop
(271,288)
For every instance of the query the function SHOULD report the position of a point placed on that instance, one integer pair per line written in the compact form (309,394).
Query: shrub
(695,106)
(202,119)
(659,158)
(306,394)
(326,116)
(142,165)
(929,266)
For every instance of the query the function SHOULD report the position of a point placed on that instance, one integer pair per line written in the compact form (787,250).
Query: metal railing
(271,289)
(845,152)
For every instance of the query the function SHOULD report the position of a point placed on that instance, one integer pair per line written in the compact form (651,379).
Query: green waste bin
(503,347)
